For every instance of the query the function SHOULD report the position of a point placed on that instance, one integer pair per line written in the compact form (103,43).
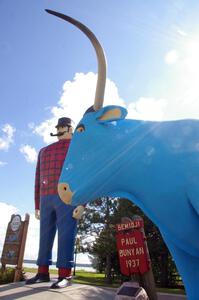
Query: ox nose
(65,193)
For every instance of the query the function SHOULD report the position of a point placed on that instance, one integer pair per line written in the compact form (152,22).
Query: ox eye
(80,128)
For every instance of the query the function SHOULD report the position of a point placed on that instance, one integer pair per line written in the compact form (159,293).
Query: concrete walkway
(42,291)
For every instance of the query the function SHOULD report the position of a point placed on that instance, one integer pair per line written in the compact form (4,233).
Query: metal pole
(75,260)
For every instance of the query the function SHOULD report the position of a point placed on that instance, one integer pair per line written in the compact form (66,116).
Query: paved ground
(42,292)
(75,292)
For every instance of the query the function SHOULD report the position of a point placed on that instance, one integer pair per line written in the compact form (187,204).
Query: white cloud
(7,139)
(31,125)
(32,242)
(29,152)
(171,57)
(183,92)
(6,211)
(181,32)
(3,163)
(77,96)
(83,258)
(147,109)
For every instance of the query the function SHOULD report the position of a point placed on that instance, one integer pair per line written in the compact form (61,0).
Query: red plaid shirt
(49,166)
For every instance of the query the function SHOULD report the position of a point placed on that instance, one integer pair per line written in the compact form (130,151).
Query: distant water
(86,267)
(82,263)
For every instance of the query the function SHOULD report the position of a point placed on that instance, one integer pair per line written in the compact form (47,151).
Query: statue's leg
(47,230)
(188,267)
(67,227)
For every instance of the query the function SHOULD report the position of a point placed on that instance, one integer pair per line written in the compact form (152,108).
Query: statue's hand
(78,212)
(37,214)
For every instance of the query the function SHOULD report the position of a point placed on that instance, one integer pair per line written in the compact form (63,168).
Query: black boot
(39,277)
(62,282)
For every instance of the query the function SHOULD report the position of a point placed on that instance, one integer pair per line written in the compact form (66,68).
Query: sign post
(14,245)
(133,253)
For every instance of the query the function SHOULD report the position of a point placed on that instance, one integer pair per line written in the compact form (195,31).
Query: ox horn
(101,80)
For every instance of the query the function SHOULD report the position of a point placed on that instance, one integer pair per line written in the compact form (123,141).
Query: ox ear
(111,113)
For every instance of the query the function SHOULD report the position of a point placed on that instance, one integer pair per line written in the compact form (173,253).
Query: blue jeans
(56,215)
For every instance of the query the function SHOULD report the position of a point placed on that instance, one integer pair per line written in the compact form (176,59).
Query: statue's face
(67,132)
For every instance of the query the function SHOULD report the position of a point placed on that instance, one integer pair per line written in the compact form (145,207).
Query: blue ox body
(153,164)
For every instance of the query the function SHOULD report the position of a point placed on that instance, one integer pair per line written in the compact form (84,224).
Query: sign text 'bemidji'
(130,225)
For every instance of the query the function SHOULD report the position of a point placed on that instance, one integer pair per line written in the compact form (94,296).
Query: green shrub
(7,275)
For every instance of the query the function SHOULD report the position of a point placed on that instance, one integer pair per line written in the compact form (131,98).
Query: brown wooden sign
(14,245)
(12,242)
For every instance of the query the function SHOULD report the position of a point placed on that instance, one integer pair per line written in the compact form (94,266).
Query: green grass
(92,278)
(84,277)
(98,279)
(34,270)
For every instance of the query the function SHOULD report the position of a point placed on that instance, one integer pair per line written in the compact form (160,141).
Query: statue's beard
(58,134)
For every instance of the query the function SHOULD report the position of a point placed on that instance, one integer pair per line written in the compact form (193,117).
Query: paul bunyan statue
(53,213)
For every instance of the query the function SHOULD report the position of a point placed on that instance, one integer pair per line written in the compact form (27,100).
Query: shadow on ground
(43,292)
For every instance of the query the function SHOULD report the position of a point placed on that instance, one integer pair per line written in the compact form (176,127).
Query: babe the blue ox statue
(153,164)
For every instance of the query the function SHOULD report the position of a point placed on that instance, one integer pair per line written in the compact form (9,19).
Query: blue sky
(48,67)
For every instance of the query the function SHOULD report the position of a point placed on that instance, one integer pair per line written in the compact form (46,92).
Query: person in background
(52,212)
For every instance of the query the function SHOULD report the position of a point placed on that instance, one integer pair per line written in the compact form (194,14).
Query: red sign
(132,252)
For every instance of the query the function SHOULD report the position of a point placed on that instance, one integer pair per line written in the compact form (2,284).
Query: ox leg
(188,267)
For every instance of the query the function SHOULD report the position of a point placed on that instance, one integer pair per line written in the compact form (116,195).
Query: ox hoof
(65,193)
(78,212)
